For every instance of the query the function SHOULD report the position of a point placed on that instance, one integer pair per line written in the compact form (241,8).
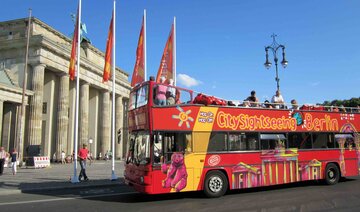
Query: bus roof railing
(266,104)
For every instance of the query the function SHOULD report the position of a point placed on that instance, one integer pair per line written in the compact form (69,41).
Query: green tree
(353,102)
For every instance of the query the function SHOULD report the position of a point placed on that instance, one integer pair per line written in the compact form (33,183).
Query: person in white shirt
(278,100)
(63,157)
(3,156)
(170,93)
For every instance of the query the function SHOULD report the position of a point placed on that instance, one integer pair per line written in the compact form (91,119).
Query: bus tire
(332,174)
(216,184)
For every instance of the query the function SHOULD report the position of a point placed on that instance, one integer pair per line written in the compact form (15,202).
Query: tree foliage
(353,102)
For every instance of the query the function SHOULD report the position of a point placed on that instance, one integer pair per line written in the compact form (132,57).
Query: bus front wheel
(332,174)
(216,184)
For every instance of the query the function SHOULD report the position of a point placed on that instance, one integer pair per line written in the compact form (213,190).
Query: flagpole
(174,51)
(113,175)
(22,112)
(144,46)
(75,178)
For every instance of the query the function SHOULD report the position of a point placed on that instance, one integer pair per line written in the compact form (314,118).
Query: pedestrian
(63,157)
(107,155)
(14,157)
(3,156)
(54,157)
(83,155)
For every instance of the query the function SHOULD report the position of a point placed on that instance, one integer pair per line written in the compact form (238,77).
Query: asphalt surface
(58,176)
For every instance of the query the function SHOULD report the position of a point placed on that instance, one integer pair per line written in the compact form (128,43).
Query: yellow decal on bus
(201,134)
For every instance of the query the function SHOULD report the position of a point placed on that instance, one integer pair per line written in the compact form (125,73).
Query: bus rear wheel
(332,174)
(216,184)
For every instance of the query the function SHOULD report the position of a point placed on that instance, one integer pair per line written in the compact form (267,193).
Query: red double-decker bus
(189,147)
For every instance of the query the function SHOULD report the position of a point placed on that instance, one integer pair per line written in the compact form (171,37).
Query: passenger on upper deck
(246,103)
(254,101)
(267,104)
(294,105)
(278,100)
(160,91)
(231,103)
(170,93)
(342,108)
(334,109)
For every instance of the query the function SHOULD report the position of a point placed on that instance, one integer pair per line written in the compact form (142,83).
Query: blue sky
(220,44)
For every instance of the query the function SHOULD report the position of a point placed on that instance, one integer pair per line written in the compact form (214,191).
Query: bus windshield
(139,148)
(139,97)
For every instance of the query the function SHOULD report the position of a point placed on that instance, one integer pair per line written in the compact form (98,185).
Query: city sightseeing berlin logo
(183,117)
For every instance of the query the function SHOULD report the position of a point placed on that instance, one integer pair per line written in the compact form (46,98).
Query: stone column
(8,116)
(36,104)
(125,126)
(62,116)
(119,127)
(105,124)
(84,114)
(1,118)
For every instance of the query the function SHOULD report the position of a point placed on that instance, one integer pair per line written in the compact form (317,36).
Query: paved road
(308,196)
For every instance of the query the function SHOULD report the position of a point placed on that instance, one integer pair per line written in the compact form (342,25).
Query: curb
(69,185)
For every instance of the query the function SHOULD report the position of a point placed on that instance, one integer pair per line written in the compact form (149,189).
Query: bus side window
(294,140)
(175,142)
(349,142)
(188,142)
(168,146)
(272,141)
(306,142)
(252,141)
(183,142)
(237,142)
(218,142)
(331,141)
(320,140)
(344,141)
(158,148)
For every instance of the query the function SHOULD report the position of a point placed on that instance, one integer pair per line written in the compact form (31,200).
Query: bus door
(171,173)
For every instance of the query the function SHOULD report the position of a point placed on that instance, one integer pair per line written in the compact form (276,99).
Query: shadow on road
(141,198)
(116,191)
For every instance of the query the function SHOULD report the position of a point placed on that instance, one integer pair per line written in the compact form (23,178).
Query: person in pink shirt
(83,155)
(160,98)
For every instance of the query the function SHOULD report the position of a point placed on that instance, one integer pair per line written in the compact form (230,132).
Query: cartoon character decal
(176,175)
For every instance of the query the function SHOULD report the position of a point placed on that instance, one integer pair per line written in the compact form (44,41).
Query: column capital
(34,65)
(64,74)
(84,83)
(119,97)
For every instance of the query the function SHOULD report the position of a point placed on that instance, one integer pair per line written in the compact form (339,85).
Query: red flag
(74,49)
(166,64)
(138,74)
(108,53)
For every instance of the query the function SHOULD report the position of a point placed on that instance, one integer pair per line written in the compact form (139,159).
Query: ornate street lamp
(274,47)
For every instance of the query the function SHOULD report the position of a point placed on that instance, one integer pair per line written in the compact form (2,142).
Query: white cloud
(187,81)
